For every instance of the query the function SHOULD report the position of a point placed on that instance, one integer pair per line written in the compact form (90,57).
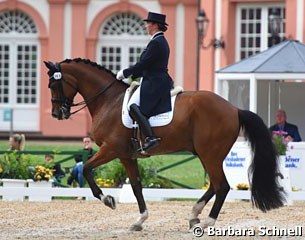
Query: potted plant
(14,169)
(42,179)
(42,173)
(280,142)
(281,145)
(15,166)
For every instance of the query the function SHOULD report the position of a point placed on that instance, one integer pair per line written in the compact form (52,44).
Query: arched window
(18,69)
(16,21)
(121,40)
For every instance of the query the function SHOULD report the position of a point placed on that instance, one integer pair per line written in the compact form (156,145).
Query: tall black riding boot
(150,140)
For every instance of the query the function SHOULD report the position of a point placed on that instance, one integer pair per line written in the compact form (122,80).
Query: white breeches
(135,98)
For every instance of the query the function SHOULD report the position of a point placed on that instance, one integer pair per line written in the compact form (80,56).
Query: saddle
(155,121)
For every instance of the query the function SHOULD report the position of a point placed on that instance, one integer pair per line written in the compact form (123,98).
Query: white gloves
(120,75)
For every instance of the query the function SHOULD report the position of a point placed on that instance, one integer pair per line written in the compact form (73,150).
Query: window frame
(122,40)
(264,27)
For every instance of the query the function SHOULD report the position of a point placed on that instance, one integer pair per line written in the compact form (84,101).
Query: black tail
(265,189)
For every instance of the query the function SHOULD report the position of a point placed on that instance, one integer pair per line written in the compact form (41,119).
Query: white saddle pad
(155,121)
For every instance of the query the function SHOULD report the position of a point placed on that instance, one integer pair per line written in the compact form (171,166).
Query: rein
(91,99)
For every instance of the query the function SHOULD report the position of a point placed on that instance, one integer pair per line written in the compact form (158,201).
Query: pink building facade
(111,33)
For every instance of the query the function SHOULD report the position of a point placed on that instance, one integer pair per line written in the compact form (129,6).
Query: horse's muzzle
(57,115)
(61,113)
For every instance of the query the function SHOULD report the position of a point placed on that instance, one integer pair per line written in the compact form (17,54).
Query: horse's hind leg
(197,208)
(220,186)
(221,194)
(131,166)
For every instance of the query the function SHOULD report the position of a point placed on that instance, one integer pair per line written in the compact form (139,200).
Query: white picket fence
(123,195)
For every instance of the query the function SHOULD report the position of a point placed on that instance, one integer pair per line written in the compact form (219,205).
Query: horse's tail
(265,190)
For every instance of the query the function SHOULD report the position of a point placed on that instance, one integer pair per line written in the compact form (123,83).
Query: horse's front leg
(98,159)
(131,166)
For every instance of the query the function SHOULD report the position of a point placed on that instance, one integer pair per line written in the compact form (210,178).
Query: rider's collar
(152,37)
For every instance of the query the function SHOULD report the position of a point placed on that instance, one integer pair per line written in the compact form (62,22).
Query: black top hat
(156,17)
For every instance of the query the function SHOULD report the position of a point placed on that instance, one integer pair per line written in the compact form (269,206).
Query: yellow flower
(101,182)
(242,186)
(1,169)
(42,173)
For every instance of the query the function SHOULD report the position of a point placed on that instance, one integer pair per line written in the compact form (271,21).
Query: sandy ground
(80,219)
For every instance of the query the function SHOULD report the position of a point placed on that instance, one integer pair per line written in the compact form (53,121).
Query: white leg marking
(208,222)
(102,198)
(197,209)
(142,218)
(137,226)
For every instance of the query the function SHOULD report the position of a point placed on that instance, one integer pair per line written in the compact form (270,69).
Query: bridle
(67,103)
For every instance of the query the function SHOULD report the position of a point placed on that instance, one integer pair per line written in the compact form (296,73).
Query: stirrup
(150,142)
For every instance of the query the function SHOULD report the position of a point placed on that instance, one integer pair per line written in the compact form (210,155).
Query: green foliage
(115,172)
(190,173)
(149,175)
(15,166)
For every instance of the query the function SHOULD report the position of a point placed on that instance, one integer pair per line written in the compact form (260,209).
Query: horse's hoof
(193,222)
(136,227)
(110,202)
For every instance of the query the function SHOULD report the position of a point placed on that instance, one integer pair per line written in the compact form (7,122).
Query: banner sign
(234,160)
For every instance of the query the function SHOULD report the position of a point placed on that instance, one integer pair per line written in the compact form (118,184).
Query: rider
(156,83)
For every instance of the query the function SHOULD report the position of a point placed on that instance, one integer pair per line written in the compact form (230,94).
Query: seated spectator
(77,172)
(17,142)
(282,125)
(58,173)
(87,141)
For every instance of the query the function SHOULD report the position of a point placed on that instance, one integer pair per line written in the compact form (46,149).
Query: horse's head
(62,91)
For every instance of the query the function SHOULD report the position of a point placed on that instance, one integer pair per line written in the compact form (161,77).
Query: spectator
(87,141)
(58,173)
(77,172)
(282,125)
(17,142)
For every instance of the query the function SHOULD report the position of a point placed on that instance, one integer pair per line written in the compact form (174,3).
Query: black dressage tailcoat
(156,82)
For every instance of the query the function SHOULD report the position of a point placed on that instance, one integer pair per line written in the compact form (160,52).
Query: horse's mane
(87,61)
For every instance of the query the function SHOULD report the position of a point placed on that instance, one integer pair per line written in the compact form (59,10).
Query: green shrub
(15,166)
(149,175)
(114,172)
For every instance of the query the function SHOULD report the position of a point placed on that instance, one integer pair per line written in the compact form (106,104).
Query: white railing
(123,195)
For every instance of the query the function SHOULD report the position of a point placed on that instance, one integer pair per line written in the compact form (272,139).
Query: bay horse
(204,124)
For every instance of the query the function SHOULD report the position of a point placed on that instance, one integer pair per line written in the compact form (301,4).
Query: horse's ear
(49,64)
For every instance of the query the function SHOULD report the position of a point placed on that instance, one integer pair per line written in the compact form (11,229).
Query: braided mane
(87,61)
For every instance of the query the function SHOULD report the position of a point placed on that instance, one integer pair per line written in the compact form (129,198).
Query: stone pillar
(56,32)
(168,7)
(79,20)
